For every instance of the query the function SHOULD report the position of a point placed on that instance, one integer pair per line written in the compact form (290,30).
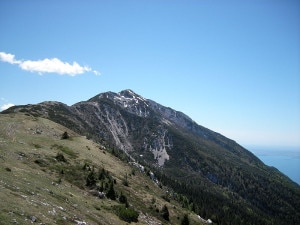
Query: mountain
(52,175)
(207,172)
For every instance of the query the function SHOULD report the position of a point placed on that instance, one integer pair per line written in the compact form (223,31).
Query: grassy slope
(32,188)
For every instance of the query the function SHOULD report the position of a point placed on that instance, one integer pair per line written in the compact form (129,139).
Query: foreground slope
(219,178)
(45,179)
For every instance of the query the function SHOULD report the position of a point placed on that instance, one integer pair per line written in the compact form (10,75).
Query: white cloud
(9,58)
(6,106)
(53,65)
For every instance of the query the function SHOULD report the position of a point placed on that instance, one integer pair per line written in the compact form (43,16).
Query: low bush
(60,157)
(127,214)
(65,135)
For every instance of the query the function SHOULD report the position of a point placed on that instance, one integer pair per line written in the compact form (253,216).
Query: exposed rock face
(158,144)
(101,116)
(115,119)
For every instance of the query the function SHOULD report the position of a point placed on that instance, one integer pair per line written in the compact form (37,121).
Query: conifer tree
(91,179)
(185,220)
(111,192)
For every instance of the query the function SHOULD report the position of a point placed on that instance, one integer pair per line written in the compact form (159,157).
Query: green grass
(65,150)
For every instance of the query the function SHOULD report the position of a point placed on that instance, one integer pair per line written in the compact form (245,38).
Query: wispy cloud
(53,65)
(6,106)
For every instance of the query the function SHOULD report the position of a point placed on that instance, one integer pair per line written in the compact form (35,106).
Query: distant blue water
(285,159)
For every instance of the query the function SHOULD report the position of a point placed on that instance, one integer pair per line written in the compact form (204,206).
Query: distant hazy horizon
(285,159)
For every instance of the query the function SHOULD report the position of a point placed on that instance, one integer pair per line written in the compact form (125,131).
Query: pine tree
(185,220)
(111,194)
(91,179)
(101,174)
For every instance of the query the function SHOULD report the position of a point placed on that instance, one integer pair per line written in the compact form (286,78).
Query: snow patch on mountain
(132,102)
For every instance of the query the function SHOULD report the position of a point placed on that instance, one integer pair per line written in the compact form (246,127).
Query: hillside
(45,179)
(209,174)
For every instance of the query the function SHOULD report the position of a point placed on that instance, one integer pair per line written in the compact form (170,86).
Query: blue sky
(232,66)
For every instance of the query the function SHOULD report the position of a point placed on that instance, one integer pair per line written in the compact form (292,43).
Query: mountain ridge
(187,156)
(52,175)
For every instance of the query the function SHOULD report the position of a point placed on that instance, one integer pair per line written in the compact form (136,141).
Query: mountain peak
(132,102)
(131,95)
(128,93)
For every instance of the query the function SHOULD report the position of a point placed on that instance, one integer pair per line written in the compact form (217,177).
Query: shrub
(65,150)
(127,214)
(125,181)
(65,135)
(36,145)
(41,162)
(60,157)
(123,199)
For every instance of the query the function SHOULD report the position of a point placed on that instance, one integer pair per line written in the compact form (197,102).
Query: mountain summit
(218,177)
